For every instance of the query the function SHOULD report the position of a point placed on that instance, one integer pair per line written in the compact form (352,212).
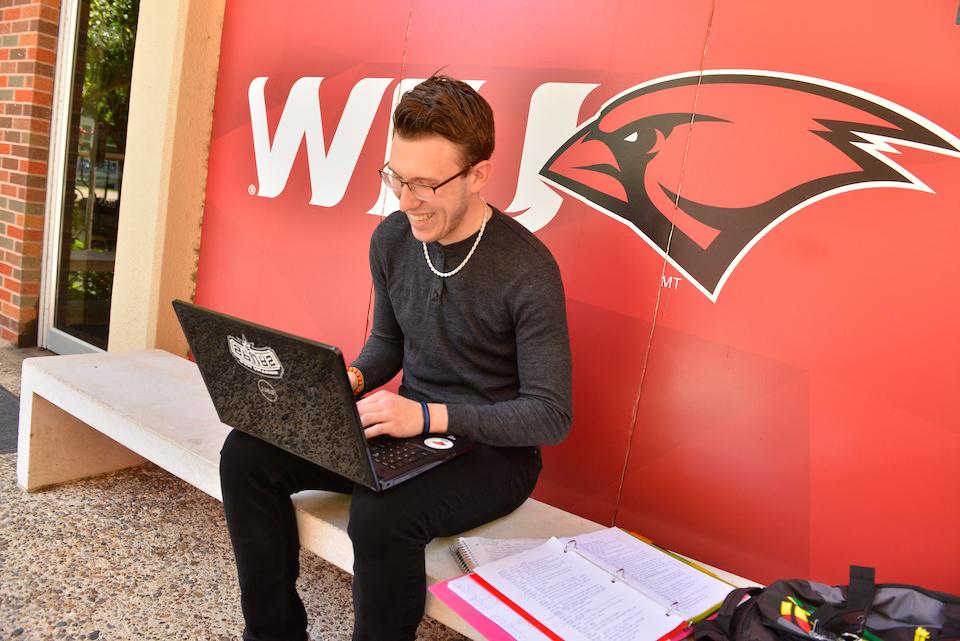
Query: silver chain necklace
(483,224)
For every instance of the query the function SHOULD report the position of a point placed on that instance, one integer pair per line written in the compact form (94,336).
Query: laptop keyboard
(394,455)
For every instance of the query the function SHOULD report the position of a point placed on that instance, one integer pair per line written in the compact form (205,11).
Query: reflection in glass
(91,204)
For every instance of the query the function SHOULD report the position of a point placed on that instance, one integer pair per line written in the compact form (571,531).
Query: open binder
(607,585)
(620,574)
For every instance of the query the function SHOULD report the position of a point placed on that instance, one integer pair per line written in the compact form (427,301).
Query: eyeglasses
(419,190)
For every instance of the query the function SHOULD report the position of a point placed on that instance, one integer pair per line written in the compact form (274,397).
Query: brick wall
(28,43)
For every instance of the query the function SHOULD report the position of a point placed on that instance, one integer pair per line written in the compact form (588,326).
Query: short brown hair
(450,108)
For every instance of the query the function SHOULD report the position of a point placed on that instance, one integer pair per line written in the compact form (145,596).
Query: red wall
(782,403)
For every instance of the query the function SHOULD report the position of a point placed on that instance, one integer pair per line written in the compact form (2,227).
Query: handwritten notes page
(576,599)
(500,613)
(664,578)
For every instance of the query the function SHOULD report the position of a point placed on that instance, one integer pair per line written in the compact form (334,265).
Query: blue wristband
(426,418)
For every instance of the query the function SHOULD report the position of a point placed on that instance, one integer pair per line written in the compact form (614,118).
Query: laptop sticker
(438,443)
(259,360)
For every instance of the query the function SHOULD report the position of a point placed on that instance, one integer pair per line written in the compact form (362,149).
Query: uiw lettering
(552,118)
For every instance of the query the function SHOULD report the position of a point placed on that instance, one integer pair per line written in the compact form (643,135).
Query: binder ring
(571,543)
(621,574)
(674,607)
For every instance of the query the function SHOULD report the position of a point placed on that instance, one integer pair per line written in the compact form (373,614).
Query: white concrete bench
(90,414)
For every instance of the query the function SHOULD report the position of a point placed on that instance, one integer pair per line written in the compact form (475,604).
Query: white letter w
(329,172)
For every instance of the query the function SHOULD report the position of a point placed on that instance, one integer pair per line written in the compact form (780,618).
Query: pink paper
(468,613)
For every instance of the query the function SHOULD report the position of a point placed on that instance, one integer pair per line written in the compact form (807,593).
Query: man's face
(430,161)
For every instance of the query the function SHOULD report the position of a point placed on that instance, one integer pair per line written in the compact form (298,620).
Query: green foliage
(111,34)
(89,286)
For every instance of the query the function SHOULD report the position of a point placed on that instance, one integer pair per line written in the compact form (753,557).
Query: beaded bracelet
(359,375)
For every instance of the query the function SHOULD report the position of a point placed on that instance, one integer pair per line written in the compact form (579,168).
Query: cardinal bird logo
(702,165)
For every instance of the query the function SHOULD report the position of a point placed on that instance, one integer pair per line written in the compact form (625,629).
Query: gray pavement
(9,411)
(136,555)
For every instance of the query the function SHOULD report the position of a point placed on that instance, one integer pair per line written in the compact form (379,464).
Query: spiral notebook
(471,551)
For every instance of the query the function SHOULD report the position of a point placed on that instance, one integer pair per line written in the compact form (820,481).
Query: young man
(469,304)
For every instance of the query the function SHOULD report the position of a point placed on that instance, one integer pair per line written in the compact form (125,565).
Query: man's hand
(387,413)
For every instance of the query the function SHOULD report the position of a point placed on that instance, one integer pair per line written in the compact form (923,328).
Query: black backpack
(797,610)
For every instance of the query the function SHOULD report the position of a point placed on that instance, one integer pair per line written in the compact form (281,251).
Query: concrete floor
(136,555)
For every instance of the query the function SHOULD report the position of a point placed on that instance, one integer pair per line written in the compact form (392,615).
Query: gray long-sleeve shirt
(490,342)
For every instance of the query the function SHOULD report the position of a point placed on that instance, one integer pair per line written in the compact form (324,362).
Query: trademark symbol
(670,282)
(252,189)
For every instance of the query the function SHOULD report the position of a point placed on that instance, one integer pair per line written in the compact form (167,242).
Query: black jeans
(389,531)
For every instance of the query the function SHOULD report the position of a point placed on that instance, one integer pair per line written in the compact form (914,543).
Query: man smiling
(469,305)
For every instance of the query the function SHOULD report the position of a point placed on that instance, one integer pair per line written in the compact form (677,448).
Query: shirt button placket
(440,258)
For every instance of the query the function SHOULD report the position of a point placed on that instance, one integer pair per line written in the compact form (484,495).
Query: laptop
(294,393)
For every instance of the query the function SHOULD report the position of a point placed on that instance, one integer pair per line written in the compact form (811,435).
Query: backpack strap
(721,628)
(862,588)
(860,595)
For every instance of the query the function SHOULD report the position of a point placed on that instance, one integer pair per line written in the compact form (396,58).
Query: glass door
(93,117)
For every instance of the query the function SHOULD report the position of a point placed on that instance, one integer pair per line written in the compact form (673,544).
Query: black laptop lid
(287,390)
